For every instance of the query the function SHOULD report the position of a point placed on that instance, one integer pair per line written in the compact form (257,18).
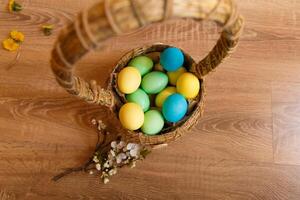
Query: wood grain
(246,146)
(286,122)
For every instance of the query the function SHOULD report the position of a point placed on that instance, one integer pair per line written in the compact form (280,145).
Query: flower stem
(15,60)
(86,165)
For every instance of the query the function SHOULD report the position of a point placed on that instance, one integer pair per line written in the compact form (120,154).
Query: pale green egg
(142,63)
(139,97)
(154,82)
(153,122)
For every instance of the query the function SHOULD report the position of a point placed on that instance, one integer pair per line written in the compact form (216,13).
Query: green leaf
(145,152)
(16,7)
(47,29)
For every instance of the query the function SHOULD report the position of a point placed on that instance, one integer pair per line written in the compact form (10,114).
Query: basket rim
(120,100)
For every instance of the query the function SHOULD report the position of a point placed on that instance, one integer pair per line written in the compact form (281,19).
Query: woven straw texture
(111,17)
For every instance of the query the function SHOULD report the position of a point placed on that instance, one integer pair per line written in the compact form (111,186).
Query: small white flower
(118,160)
(121,145)
(112,153)
(106,165)
(98,166)
(105,180)
(111,158)
(130,146)
(132,164)
(112,171)
(94,121)
(101,125)
(113,144)
(91,172)
(135,151)
(120,157)
(95,159)
(123,155)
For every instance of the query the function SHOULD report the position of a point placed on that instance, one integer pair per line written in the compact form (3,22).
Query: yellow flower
(17,36)
(13,6)
(10,44)
(10,5)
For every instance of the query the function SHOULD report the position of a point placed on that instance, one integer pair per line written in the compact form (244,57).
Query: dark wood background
(247,146)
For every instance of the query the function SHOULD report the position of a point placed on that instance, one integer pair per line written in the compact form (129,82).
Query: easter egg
(131,116)
(173,76)
(174,108)
(154,82)
(188,85)
(139,97)
(153,122)
(142,63)
(161,97)
(129,80)
(171,59)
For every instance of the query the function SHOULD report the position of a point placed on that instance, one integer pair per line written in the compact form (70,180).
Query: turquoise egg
(139,97)
(171,59)
(174,108)
(154,82)
(142,63)
(153,122)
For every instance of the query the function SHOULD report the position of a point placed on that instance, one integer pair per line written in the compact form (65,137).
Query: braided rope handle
(111,17)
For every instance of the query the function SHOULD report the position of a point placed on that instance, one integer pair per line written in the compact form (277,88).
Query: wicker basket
(111,17)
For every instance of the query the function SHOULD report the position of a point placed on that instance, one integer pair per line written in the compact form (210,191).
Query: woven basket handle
(111,17)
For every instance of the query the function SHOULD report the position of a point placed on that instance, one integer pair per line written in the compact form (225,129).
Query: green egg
(139,97)
(153,122)
(154,82)
(142,63)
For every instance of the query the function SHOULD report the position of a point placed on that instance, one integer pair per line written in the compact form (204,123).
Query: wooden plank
(171,175)
(237,121)
(286,120)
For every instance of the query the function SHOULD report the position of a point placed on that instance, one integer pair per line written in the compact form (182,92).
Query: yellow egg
(129,80)
(131,116)
(173,76)
(161,97)
(188,85)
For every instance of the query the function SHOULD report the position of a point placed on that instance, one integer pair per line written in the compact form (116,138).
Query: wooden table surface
(247,146)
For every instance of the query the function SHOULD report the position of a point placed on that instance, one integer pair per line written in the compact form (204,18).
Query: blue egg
(174,108)
(171,59)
